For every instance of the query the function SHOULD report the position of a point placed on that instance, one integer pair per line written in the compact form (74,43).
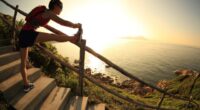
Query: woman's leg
(43,37)
(24,57)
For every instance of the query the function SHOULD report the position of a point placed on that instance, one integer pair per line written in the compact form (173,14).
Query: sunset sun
(104,21)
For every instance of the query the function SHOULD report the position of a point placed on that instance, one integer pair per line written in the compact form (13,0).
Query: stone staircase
(45,96)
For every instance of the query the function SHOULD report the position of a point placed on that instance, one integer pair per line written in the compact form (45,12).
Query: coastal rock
(107,66)
(76,66)
(132,86)
(107,79)
(135,87)
(138,90)
(162,84)
(142,91)
(148,89)
(185,72)
(99,76)
(76,61)
(88,71)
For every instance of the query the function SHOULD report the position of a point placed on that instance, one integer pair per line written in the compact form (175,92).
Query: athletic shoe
(29,87)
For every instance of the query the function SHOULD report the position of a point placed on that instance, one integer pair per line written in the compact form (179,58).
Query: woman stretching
(40,16)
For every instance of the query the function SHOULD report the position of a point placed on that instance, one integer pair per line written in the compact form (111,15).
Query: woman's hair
(52,4)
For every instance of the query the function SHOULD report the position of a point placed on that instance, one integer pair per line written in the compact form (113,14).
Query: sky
(169,21)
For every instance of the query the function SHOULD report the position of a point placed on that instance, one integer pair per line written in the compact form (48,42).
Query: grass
(97,95)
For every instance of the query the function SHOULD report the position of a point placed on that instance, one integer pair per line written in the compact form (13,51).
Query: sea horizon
(147,60)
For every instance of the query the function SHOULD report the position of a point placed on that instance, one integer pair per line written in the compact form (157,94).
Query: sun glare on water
(96,65)
(103,22)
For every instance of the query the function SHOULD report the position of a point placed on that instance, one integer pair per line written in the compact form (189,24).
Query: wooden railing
(14,39)
(11,39)
(80,71)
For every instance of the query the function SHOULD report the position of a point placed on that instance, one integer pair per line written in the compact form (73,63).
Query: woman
(29,36)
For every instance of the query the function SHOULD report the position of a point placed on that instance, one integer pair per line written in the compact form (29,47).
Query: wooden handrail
(51,55)
(109,63)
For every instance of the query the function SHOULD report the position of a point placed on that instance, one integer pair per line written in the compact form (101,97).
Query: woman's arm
(53,30)
(61,21)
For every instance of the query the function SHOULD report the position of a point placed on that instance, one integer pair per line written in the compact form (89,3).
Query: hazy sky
(173,21)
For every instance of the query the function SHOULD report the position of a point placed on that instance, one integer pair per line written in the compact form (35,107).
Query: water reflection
(95,64)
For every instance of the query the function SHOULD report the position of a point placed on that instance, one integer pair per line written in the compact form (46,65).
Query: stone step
(6,49)
(33,99)
(9,69)
(9,57)
(77,103)
(97,107)
(14,84)
(57,99)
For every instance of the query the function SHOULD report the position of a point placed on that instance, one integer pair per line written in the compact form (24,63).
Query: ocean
(147,60)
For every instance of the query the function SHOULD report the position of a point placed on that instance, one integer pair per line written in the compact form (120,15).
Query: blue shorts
(27,38)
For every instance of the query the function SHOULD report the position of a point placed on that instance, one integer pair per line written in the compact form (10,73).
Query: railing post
(190,92)
(189,102)
(160,102)
(13,38)
(81,65)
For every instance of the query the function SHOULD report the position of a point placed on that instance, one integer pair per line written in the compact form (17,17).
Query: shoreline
(134,87)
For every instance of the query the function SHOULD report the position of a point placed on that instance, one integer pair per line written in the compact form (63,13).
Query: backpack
(34,12)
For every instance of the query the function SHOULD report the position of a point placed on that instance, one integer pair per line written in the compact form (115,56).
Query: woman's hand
(77,25)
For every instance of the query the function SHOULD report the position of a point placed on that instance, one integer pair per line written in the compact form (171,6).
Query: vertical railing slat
(161,101)
(13,39)
(190,92)
(81,65)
